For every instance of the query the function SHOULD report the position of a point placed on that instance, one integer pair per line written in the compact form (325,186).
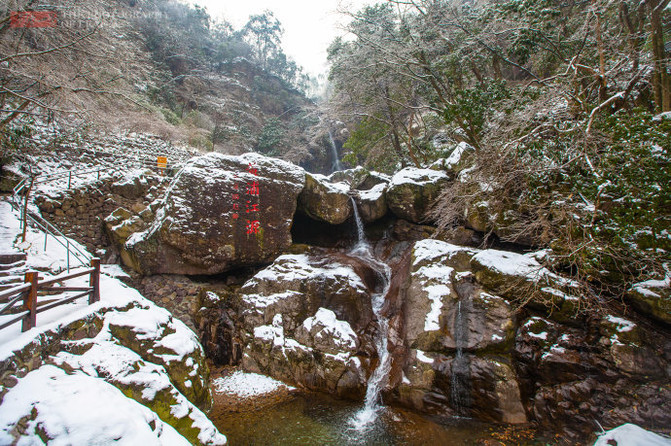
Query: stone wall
(80,212)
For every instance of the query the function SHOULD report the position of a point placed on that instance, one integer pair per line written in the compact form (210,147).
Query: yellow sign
(162,163)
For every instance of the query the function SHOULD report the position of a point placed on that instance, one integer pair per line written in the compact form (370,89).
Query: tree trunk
(661,80)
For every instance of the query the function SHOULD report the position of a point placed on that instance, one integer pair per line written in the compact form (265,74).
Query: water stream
(460,366)
(337,165)
(365,418)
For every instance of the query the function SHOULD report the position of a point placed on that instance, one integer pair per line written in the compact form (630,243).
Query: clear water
(316,419)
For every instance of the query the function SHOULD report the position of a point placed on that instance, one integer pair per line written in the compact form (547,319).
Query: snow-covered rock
(631,435)
(653,298)
(325,201)
(219,213)
(306,320)
(372,203)
(412,192)
(51,406)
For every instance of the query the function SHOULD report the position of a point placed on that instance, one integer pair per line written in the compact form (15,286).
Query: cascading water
(460,366)
(337,165)
(378,379)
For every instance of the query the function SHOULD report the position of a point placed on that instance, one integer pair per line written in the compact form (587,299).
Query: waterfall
(460,366)
(378,379)
(359,224)
(336,166)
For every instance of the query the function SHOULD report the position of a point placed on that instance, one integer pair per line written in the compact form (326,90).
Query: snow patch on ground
(247,385)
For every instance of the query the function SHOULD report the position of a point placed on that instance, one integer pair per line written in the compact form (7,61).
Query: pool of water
(315,419)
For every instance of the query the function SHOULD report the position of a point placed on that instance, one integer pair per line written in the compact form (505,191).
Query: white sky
(309,25)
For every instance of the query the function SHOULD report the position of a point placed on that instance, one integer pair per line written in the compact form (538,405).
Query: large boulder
(322,200)
(412,192)
(307,320)
(220,212)
(449,322)
(372,203)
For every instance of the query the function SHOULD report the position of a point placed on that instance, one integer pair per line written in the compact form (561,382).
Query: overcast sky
(309,25)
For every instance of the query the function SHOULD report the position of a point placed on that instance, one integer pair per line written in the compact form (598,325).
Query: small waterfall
(378,379)
(460,366)
(359,224)
(337,165)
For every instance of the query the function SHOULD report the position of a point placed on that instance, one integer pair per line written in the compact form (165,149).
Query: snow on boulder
(457,161)
(631,435)
(133,185)
(220,212)
(295,285)
(515,276)
(306,318)
(372,203)
(327,333)
(413,191)
(438,317)
(322,200)
(51,406)
(653,298)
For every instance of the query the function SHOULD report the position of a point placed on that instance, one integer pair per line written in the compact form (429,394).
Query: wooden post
(30,301)
(95,281)
(24,214)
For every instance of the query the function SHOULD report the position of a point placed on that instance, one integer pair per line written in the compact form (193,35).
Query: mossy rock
(653,299)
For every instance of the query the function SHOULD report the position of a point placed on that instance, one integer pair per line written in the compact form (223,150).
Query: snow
(265,300)
(646,288)
(295,267)
(417,177)
(519,265)
(457,154)
(542,335)
(374,193)
(422,357)
(247,385)
(431,250)
(631,435)
(435,294)
(510,263)
(331,188)
(83,406)
(79,409)
(333,330)
(623,325)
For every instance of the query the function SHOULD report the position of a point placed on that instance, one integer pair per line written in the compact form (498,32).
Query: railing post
(30,301)
(95,281)
(69,179)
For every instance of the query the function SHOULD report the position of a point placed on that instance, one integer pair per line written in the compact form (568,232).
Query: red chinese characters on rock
(252,192)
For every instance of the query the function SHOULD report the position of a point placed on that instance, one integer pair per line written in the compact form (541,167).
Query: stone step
(11,273)
(7,258)
(12,266)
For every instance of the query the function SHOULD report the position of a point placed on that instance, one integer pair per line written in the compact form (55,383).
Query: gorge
(368,307)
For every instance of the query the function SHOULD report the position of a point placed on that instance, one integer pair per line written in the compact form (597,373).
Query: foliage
(271,137)
(557,98)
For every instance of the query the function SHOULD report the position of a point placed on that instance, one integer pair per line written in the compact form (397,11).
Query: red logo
(33,19)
